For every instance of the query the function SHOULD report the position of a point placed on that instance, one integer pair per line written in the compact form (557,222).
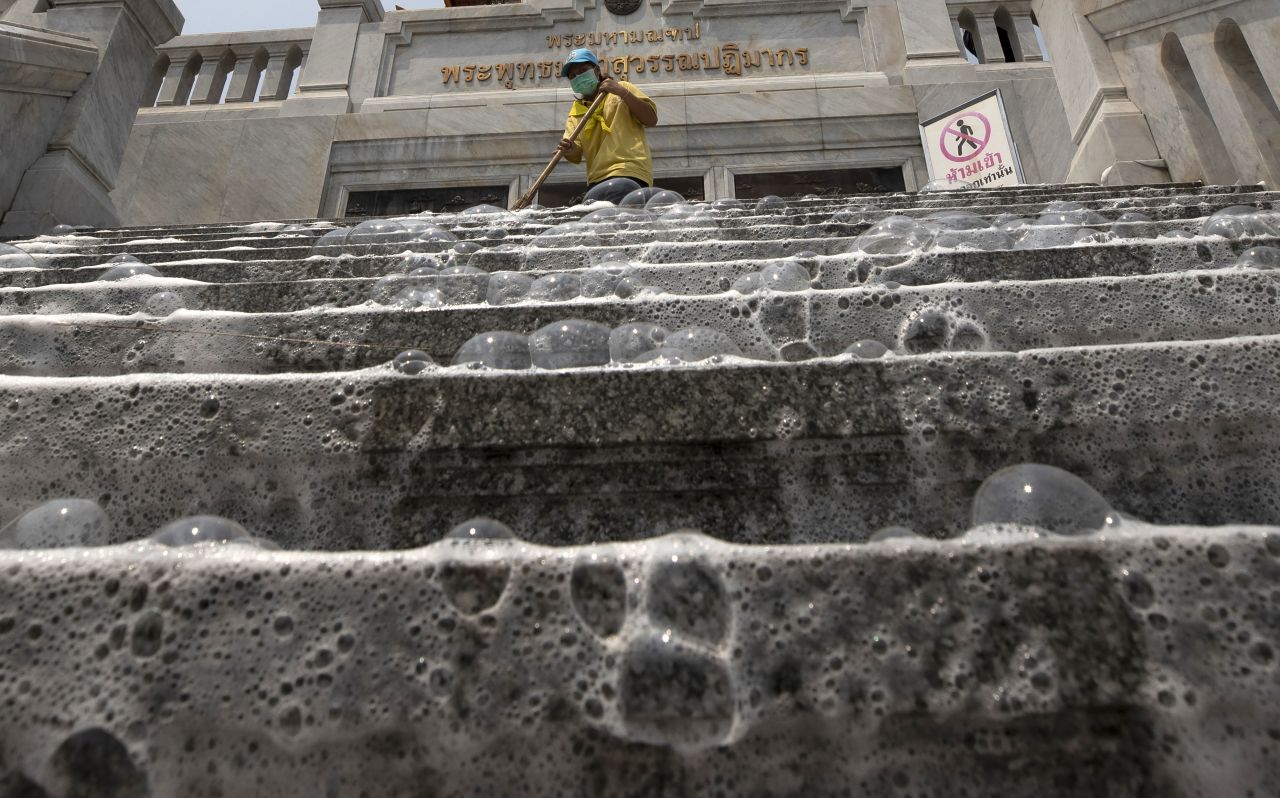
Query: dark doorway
(405,201)
(821,182)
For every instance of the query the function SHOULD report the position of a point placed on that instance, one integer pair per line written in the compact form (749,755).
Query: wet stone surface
(288,507)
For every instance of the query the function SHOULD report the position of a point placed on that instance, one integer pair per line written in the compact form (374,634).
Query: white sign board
(971,147)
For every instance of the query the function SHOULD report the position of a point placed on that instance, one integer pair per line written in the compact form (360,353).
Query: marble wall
(73,73)
(470,96)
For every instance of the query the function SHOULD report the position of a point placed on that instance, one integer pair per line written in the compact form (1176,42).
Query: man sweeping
(613,141)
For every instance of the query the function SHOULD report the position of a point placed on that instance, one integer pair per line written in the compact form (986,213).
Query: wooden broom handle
(527,199)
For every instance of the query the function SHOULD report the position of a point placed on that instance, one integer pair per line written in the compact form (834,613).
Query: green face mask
(585,84)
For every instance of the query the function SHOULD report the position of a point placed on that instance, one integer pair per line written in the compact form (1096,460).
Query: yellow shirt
(613,141)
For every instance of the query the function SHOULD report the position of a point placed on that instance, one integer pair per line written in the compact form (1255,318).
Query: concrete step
(684,664)
(826,450)
(1021,202)
(1003,316)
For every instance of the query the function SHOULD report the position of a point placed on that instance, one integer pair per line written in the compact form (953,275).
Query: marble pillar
(933,55)
(1112,138)
(71,183)
(324,86)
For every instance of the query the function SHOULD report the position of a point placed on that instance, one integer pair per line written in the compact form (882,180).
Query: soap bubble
(495,350)
(602,281)
(437,234)
(200,529)
(164,303)
(611,257)
(463,285)
(893,533)
(854,214)
(896,235)
(296,231)
(611,219)
(944,184)
(1178,234)
(412,261)
(464,249)
(126,270)
(686,216)
(640,197)
(61,230)
(572,343)
(412,361)
(748,283)
(867,350)
(956,220)
(408,291)
(1038,237)
(727,204)
(1240,221)
(927,330)
(1042,496)
(662,200)
(568,234)
(693,344)
(1260,258)
(967,336)
(57,524)
(378,232)
(480,529)
(771,204)
(1011,222)
(631,288)
(785,276)
(490,214)
(1065,212)
(555,288)
(332,243)
(1132,225)
(508,288)
(602,217)
(13,258)
(630,341)
(990,240)
(1090,236)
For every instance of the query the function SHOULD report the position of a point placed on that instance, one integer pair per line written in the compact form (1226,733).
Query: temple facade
(373,111)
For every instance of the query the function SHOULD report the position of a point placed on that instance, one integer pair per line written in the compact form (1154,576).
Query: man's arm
(643,112)
(572,150)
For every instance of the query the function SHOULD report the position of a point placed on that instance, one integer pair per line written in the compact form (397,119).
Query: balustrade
(229,68)
(994,33)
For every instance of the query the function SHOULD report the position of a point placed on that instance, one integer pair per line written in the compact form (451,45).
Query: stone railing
(211,69)
(996,32)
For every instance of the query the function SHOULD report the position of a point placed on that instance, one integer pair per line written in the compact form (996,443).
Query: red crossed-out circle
(952,130)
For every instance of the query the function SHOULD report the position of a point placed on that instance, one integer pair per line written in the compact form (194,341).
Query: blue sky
(220,16)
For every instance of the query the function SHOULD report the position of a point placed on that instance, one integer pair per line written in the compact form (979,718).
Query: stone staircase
(1130,337)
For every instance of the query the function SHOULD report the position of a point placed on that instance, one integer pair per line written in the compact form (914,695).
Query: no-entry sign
(971,145)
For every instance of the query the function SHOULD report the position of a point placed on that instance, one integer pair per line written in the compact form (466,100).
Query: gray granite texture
(1078,356)
(678,666)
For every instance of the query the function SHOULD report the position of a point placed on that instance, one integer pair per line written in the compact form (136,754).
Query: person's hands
(611,86)
(567,147)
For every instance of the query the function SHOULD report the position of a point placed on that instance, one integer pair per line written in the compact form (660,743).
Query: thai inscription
(981,171)
(729,59)
(570,41)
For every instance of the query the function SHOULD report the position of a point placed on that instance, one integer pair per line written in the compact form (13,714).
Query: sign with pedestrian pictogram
(971,146)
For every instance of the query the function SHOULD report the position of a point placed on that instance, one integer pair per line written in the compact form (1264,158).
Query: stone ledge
(239,38)
(44,61)
(373,11)
(161,19)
